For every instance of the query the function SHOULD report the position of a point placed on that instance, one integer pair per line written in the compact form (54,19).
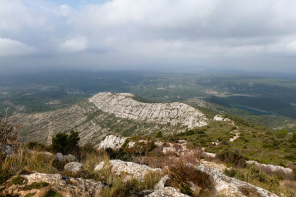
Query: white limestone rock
(227,186)
(271,167)
(100,166)
(66,186)
(210,155)
(167,192)
(73,167)
(134,170)
(123,106)
(112,141)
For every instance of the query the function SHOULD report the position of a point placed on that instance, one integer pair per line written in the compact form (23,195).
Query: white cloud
(147,29)
(77,44)
(10,47)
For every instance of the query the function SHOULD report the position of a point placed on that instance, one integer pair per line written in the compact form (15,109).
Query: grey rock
(65,158)
(73,167)
(67,186)
(59,157)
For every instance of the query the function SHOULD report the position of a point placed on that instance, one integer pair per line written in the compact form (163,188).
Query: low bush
(232,157)
(182,176)
(38,146)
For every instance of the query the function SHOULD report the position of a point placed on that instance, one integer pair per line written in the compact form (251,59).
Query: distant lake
(254,111)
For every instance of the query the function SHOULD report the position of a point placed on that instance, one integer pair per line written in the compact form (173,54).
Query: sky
(250,35)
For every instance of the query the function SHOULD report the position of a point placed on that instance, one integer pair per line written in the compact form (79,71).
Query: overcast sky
(143,34)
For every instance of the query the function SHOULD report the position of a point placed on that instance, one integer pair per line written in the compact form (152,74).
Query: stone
(167,192)
(227,186)
(133,170)
(271,167)
(59,157)
(66,186)
(69,158)
(99,167)
(112,141)
(65,158)
(161,183)
(73,167)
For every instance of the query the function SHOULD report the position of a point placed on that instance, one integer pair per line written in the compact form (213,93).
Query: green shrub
(158,135)
(52,193)
(18,180)
(232,156)
(65,143)
(37,185)
(230,172)
(37,146)
(30,194)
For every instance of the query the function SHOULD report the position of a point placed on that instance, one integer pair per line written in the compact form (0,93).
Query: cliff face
(108,113)
(123,106)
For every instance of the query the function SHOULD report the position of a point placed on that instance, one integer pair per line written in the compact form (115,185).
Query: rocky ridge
(105,114)
(124,106)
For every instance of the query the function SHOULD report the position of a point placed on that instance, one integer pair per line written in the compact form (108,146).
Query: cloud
(156,31)
(10,47)
(77,44)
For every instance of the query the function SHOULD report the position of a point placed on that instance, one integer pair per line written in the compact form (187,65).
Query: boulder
(64,158)
(134,170)
(59,157)
(73,167)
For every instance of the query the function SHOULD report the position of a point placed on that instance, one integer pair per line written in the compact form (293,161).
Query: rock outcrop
(227,186)
(124,106)
(272,168)
(133,170)
(66,186)
(161,190)
(114,142)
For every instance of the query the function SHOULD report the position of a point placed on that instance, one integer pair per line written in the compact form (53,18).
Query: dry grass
(25,161)
(184,176)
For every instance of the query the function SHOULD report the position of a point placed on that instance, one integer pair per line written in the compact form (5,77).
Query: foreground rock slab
(66,186)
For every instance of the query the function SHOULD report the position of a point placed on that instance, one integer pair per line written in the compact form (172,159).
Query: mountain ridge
(108,113)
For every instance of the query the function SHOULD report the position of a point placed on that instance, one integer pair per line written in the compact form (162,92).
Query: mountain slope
(108,113)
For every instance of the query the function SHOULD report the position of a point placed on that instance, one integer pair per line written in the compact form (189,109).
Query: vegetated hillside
(108,113)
